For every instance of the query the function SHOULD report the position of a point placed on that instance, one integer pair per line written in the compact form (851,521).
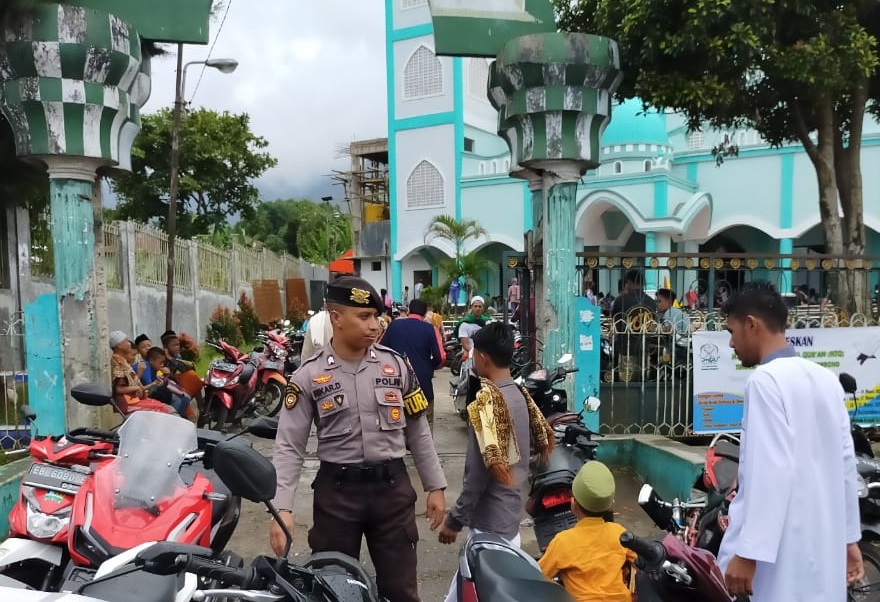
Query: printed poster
(719,377)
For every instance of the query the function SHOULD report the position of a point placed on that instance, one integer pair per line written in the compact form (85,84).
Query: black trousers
(383,512)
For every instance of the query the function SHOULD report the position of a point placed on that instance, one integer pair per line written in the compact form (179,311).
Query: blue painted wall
(43,360)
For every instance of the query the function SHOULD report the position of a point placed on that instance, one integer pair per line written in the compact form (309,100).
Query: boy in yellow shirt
(588,558)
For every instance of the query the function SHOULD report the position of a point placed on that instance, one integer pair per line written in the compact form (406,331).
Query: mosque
(658,189)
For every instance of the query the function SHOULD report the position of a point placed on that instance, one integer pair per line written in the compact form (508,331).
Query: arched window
(506,165)
(478,77)
(494,167)
(424,187)
(404,4)
(648,165)
(482,168)
(695,140)
(422,75)
(618,167)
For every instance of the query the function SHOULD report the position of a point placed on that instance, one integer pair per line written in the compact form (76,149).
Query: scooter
(490,569)
(271,365)
(540,383)
(230,386)
(702,521)
(670,571)
(549,498)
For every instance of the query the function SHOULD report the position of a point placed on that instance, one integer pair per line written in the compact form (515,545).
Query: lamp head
(223,65)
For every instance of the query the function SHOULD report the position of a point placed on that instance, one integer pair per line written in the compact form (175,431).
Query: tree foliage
(301,228)
(795,70)
(470,265)
(219,160)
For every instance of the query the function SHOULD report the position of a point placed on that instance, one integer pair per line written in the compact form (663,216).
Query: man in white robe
(794,524)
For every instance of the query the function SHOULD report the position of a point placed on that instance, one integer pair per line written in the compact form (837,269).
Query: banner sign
(588,346)
(719,377)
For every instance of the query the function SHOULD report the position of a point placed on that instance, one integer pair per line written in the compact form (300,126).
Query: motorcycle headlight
(861,486)
(217,381)
(45,526)
(556,398)
(234,381)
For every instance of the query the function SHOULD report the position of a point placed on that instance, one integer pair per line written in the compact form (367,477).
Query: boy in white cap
(588,558)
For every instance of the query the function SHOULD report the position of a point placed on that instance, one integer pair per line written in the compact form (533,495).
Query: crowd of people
(793,410)
(148,377)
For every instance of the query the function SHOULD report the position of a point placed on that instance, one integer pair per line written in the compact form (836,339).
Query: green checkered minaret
(553,96)
(72,80)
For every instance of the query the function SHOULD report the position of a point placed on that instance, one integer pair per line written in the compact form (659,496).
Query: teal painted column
(650,275)
(786,245)
(75,109)
(560,271)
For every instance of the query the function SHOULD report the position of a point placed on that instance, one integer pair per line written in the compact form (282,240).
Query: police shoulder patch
(415,402)
(291,397)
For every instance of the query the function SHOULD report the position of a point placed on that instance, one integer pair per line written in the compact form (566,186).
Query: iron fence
(646,362)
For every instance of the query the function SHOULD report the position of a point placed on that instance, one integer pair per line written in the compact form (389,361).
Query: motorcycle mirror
(591,404)
(565,359)
(848,382)
(245,471)
(92,394)
(645,494)
(28,413)
(264,427)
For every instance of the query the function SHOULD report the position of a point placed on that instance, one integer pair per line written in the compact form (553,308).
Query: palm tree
(469,265)
(457,232)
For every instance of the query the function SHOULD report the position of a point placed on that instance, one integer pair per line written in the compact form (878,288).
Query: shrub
(189,349)
(248,320)
(224,325)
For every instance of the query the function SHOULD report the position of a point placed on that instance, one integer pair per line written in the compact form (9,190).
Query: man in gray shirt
(491,499)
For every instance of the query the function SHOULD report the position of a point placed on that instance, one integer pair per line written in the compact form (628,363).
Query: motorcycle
(489,568)
(326,576)
(550,487)
(868,483)
(540,383)
(700,522)
(230,387)
(39,522)
(271,362)
(671,571)
(454,353)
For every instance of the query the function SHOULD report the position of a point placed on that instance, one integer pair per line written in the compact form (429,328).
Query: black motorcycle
(549,399)
(550,493)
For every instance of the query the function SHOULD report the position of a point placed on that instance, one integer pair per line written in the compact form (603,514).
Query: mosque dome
(631,124)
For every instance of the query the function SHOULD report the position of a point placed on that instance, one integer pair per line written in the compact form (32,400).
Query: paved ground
(436,562)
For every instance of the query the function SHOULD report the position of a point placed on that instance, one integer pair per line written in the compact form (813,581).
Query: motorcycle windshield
(152,447)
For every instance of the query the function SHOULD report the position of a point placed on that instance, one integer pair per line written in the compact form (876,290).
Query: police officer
(368,408)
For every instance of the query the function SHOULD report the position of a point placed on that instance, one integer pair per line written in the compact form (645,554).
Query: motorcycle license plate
(54,478)
(224,366)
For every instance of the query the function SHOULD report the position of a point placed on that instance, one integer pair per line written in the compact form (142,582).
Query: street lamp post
(223,66)
(327,200)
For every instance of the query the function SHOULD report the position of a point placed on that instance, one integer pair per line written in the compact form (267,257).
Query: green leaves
(219,159)
(301,228)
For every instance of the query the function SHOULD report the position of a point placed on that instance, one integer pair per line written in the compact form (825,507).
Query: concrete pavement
(437,562)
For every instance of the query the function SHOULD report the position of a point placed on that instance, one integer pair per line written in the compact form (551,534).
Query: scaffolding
(366,192)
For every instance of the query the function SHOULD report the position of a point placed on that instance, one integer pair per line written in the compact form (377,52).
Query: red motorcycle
(670,571)
(230,387)
(150,491)
(271,361)
(36,550)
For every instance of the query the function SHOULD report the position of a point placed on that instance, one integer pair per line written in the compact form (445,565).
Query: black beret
(141,338)
(353,292)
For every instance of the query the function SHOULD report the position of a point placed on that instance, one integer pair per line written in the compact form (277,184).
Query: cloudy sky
(311,75)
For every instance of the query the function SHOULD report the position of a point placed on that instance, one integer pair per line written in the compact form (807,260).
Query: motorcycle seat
(502,577)
(726,449)
(247,371)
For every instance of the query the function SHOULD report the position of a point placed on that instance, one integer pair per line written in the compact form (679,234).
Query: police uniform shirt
(366,417)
